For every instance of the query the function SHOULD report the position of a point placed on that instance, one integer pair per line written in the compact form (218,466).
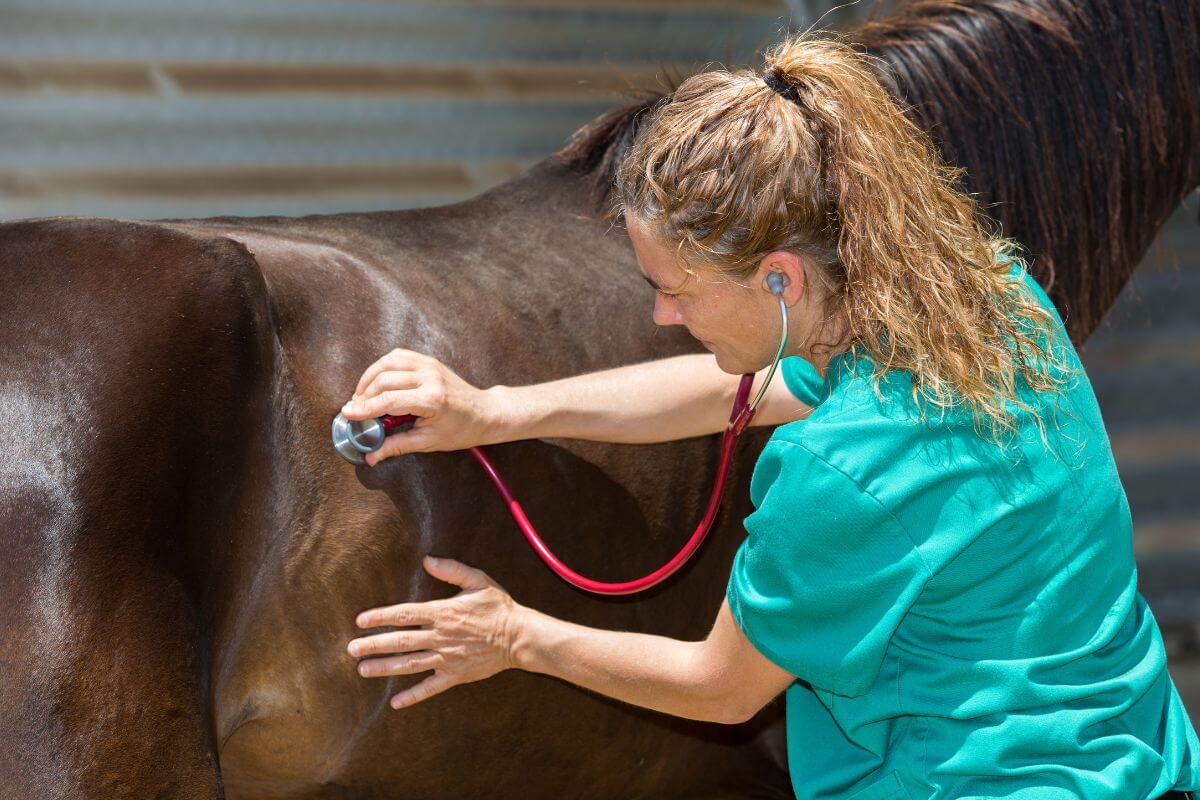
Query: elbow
(734,711)
(724,704)
(735,716)
(709,704)
(727,694)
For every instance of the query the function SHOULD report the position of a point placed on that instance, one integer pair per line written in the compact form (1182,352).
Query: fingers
(397,359)
(458,573)
(395,642)
(391,379)
(400,615)
(436,683)
(413,441)
(408,664)
(400,401)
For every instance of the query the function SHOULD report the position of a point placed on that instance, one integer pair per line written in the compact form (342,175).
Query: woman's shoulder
(1019,273)
(853,436)
(876,426)
(851,394)
(876,431)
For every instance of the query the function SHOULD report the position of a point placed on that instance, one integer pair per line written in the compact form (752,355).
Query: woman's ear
(791,267)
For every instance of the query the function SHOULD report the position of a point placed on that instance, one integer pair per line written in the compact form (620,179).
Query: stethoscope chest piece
(354,439)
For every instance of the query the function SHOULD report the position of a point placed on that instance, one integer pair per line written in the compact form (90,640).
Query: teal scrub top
(962,617)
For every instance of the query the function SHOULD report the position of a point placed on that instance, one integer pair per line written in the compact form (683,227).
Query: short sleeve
(825,574)
(802,380)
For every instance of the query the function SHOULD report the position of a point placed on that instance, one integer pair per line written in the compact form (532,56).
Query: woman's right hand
(452,414)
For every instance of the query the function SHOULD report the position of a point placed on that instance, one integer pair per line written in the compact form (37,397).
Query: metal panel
(363,32)
(1144,363)
(142,107)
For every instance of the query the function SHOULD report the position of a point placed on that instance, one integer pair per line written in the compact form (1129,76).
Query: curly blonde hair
(728,170)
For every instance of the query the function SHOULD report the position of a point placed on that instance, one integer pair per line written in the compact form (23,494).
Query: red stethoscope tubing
(739,419)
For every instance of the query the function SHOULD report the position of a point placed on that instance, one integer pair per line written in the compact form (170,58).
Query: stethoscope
(353,440)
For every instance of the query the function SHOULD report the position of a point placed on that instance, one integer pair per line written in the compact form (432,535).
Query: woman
(939,569)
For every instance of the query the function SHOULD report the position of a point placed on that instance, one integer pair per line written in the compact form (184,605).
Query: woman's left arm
(482,631)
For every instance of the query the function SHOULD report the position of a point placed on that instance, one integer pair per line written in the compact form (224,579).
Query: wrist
(526,637)
(514,413)
(504,421)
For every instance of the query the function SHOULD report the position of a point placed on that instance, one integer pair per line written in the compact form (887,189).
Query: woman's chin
(721,361)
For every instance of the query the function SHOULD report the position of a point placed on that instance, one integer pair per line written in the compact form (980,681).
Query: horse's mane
(1068,115)
(1109,84)
(596,150)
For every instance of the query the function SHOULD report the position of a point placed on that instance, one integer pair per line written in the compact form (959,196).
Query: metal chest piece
(354,439)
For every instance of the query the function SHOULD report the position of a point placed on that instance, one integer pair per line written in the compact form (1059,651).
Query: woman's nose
(666,312)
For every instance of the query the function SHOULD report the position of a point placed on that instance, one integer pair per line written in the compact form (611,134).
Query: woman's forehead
(658,261)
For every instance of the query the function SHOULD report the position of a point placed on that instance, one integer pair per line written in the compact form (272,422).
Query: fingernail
(353,649)
(433,560)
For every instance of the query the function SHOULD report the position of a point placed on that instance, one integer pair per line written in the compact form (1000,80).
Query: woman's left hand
(463,638)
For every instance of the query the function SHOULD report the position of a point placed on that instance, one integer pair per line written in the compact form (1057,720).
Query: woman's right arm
(654,401)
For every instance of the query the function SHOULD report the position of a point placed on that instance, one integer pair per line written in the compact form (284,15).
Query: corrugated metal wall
(1144,364)
(147,108)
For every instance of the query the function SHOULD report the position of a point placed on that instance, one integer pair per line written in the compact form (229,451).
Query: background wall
(1144,364)
(156,108)
(148,108)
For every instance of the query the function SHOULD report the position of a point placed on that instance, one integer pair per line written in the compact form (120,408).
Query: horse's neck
(1076,122)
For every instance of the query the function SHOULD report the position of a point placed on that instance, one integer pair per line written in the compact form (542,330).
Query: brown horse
(184,554)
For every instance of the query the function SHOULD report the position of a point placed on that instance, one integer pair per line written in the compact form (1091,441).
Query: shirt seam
(858,485)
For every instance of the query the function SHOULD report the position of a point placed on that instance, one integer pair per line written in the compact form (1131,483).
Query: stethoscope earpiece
(777,282)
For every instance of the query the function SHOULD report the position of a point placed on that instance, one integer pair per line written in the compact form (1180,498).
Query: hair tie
(781,87)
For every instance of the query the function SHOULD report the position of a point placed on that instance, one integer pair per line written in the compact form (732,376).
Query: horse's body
(210,551)
(185,554)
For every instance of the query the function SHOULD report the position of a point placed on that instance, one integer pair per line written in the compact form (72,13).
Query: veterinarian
(939,569)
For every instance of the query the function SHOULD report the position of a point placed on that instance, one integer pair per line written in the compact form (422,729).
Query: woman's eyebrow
(653,285)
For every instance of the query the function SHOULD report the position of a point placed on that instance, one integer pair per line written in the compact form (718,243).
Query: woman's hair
(728,170)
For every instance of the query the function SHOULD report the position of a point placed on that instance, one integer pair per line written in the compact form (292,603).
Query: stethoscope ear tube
(353,440)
